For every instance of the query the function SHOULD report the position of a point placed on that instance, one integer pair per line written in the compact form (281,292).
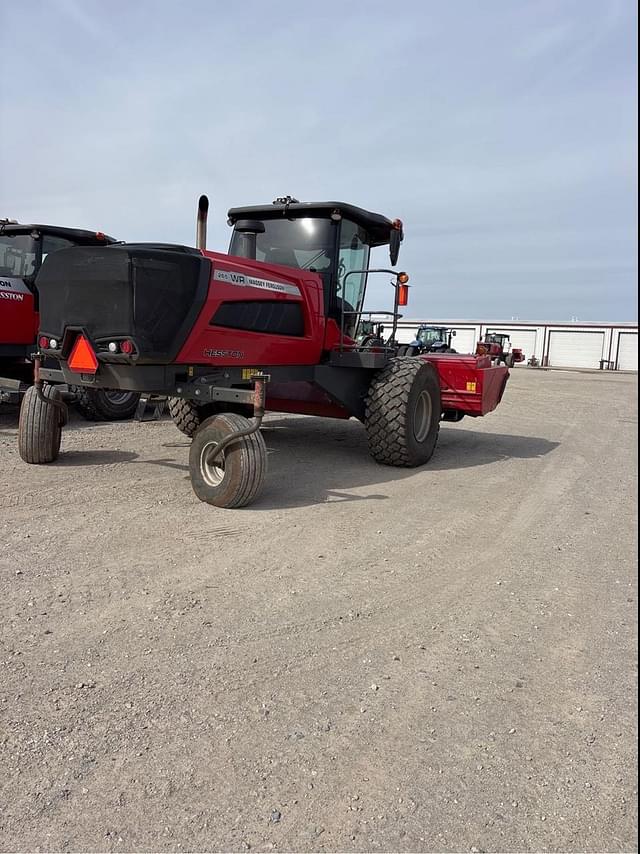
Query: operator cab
(498,338)
(23,247)
(332,239)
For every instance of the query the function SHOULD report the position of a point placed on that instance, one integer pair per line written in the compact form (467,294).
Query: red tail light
(127,347)
(82,359)
(43,342)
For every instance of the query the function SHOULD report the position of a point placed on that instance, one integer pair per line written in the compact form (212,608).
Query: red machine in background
(273,325)
(497,346)
(23,248)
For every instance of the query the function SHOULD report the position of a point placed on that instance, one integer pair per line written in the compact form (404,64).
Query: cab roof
(378,226)
(80,236)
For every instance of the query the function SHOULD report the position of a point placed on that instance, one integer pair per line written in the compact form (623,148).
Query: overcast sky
(502,132)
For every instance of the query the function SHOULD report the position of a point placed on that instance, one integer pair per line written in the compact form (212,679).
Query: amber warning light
(82,359)
(403,289)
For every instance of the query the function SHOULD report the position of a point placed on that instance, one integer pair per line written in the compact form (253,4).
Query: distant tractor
(497,346)
(434,339)
(370,334)
(429,339)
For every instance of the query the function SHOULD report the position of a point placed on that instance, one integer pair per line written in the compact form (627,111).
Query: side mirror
(247,231)
(396,237)
(454,333)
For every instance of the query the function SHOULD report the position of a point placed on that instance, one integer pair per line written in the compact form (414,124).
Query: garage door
(464,341)
(525,339)
(575,349)
(627,351)
(405,334)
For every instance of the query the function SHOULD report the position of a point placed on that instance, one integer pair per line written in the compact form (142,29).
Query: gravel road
(368,659)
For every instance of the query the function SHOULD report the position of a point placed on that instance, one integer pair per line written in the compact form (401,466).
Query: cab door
(353,256)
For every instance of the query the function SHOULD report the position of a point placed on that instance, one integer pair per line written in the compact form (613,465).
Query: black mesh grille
(146,293)
(87,287)
(164,289)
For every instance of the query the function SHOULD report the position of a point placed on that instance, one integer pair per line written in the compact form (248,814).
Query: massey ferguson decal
(243,281)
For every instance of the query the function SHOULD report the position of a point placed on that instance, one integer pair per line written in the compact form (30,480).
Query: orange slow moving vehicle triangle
(82,359)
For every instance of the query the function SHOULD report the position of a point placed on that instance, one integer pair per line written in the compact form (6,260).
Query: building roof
(631,324)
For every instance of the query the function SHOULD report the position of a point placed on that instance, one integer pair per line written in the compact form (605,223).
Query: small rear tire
(509,361)
(40,426)
(235,478)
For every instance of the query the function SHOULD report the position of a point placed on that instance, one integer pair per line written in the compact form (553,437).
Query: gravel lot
(440,659)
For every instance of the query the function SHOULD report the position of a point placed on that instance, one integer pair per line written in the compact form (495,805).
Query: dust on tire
(391,406)
(40,426)
(244,466)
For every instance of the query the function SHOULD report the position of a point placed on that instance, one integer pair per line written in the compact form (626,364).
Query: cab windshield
(429,335)
(305,243)
(309,243)
(21,255)
(18,255)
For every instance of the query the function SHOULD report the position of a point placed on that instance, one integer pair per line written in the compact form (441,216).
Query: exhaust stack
(201,225)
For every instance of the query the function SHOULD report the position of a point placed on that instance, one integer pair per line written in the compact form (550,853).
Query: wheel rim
(212,470)
(117,398)
(422,416)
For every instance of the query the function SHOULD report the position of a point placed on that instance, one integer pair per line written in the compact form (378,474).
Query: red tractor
(497,345)
(270,326)
(23,249)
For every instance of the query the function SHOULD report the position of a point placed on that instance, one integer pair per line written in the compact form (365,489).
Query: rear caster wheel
(235,477)
(40,426)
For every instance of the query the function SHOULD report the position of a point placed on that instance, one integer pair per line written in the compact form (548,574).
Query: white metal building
(612,346)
